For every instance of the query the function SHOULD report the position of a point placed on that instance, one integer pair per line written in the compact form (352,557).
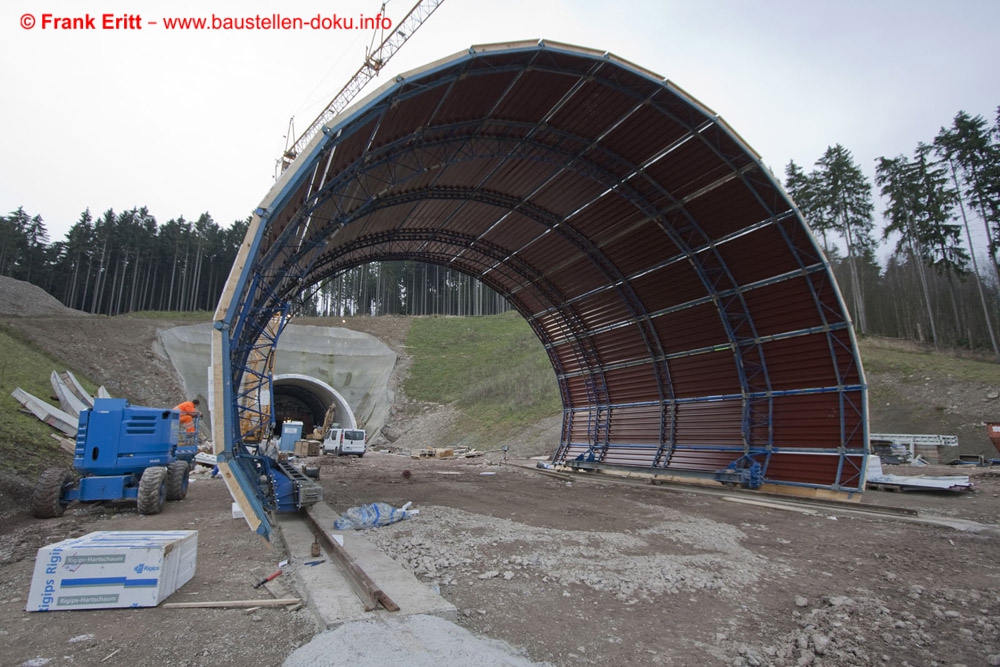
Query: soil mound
(23,299)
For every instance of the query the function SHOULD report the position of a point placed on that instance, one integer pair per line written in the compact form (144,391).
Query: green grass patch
(916,362)
(26,445)
(493,368)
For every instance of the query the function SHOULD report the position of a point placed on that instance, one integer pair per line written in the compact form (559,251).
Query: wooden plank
(773,506)
(236,491)
(231,603)
(64,443)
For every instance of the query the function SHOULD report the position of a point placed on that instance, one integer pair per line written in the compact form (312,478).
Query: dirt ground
(585,570)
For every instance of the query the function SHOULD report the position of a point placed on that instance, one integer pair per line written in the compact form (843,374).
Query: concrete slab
(326,589)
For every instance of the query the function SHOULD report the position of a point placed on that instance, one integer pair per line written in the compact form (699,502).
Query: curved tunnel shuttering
(691,320)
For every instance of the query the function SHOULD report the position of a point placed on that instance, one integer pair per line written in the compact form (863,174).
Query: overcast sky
(189,121)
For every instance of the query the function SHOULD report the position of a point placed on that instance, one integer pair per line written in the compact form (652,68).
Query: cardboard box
(110,569)
(307,448)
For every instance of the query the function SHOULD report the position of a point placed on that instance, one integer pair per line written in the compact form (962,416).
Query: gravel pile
(452,547)
(863,629)
(23,299)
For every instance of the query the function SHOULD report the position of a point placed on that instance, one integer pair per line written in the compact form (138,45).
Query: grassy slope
(886,355)
(916,390)
(26,447)
(493,368)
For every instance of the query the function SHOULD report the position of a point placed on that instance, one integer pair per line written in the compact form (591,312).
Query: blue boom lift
(122,451)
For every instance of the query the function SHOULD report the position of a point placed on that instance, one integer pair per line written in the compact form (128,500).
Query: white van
(343,441)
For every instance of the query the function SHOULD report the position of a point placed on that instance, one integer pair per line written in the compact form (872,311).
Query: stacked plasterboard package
(112,569)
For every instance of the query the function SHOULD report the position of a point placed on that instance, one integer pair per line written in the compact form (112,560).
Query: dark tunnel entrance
(297,404)
(306,399)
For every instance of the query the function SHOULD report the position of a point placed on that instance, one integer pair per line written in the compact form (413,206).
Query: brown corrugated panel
(515,231)
(592,110)
(602,309)
(640,457)
(782,307)
(701,375)
(533,95)
(633,384)
(637,425)
(604,219)
(576,275)
(566,193)
(691,328)
(638,147)
(398,120)
(624,344)
(726,208)
(673,284)
(710,423)
(700,460)
(473,96)
(811,421)
(799,362)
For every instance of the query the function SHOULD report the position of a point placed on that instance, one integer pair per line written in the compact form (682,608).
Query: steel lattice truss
(692,321)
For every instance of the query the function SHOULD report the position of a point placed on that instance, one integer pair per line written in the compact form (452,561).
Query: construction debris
(446,453)
(74,385)
(875,478)
(52,416)
(68,400)
(908,446)
(72,397)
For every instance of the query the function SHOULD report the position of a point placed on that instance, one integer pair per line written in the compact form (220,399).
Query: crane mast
(375,60)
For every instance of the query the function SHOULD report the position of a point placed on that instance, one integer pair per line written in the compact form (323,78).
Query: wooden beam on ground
(65,444)
(366,589)
(231,603)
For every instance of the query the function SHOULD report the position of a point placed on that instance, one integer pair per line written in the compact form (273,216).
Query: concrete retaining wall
(355,364)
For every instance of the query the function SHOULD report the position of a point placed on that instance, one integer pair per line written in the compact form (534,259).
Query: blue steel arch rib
(623,220)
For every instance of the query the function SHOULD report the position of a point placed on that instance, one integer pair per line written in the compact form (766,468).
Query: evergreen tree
(842,202)
(973,149)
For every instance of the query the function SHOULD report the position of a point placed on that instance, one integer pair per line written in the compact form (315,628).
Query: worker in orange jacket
(188,410)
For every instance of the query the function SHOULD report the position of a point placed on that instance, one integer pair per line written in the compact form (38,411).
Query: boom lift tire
(46,500)
(177,480)
(152,490)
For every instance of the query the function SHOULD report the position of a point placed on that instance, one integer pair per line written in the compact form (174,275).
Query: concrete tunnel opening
(310,362)
(306,399)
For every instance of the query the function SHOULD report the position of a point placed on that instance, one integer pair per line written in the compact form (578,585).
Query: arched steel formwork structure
(692,322)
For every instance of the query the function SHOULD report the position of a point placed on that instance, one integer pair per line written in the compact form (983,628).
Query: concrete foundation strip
(366,589)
